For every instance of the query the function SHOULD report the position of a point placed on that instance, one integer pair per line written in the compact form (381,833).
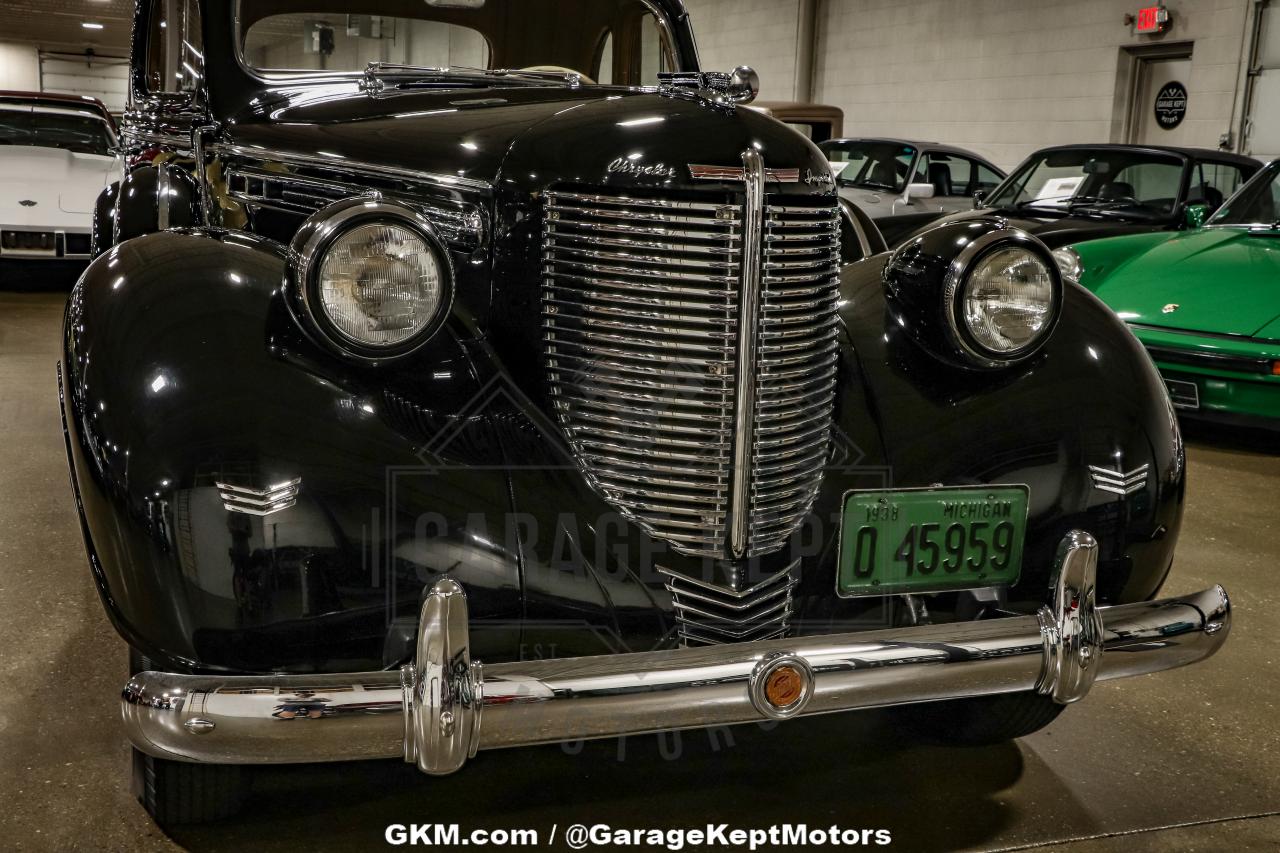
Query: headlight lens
(379,284)
(1068,261)
(1008,300)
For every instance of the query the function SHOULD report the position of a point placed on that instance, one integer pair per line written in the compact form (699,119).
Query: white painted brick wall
(1005,77)
(759,33)
(1002,77)
(19,67)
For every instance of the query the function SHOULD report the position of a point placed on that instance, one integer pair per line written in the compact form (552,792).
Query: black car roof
(1193,153)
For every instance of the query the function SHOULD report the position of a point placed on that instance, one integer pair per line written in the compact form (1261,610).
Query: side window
(987,180)
(175,47)
(946,173)
(1213,183)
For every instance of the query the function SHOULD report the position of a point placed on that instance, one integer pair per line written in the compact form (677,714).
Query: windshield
(869,163)
(1257,204)
(602,41)
(48,128)
(1106,182)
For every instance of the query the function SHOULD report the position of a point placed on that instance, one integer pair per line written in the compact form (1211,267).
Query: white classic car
(57,152)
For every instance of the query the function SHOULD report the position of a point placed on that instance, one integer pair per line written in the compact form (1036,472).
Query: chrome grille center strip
(749,303)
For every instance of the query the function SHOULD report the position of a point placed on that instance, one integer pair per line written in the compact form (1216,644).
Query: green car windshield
(1257,205)
(1107,182)
(869,163)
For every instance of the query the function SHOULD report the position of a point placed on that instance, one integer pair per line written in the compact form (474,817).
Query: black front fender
(183,371)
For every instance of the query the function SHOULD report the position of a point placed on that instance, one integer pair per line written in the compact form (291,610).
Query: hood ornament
(1170,308)
(28,202)
(712,88)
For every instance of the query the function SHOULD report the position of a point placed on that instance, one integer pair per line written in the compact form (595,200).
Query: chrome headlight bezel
(962,267)
(306,256)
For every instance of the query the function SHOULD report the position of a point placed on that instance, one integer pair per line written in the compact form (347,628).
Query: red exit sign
(1153,19)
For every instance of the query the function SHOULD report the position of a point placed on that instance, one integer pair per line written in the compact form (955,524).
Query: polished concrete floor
(1184,760)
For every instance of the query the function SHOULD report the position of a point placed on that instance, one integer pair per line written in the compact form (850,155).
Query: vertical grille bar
(749,300)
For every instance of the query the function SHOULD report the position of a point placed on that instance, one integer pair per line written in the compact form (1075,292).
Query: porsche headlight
(1068,261)
(371,279)
(1004,295)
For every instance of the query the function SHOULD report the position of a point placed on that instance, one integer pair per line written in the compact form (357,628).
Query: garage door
(103,77)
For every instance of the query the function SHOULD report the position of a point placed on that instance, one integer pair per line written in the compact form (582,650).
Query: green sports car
(1204,302)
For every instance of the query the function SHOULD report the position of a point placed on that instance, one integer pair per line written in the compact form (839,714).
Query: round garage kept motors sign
(1171,105)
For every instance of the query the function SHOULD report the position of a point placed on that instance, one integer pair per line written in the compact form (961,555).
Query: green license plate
(931,540)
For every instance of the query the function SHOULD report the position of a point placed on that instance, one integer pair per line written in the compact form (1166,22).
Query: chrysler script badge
(628,166)
(1170,308)
(28,202)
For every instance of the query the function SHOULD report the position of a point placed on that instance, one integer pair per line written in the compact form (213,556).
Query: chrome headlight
(1069,264)
(1003,295)
(372,280)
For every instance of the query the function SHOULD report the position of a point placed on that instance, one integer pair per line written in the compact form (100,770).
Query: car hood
(1058,231)
(1216,280)
(57,180)
(530,136)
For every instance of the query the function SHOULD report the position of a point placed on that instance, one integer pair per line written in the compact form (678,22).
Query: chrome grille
(640,308)
(709,614)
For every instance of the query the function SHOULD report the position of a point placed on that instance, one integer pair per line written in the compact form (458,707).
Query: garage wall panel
(19,67)
(1005,77)
(759,33)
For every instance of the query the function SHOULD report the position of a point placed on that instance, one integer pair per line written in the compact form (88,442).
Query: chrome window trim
(277,76)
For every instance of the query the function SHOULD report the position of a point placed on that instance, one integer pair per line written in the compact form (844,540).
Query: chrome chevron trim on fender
(259,501)
(1119,482)
(448,707)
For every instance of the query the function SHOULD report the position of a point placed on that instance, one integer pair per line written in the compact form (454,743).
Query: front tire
(179,792)
(983,720)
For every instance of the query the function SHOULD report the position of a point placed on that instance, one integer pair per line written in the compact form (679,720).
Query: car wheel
(983,720)
(178,792)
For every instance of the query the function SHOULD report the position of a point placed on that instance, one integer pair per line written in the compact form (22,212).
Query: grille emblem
(1119,482)
(28,202)
(259,501)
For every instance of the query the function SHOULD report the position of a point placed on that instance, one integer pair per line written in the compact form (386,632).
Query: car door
(950,176)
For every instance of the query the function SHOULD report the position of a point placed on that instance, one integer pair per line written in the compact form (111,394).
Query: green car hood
(1217,280)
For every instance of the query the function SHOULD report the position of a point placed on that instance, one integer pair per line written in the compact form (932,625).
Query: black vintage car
(1073,193)
(421,334)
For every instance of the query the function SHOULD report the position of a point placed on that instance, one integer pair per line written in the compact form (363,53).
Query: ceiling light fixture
(90,25)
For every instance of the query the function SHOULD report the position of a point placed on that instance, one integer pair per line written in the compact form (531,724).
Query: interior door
(1154,75)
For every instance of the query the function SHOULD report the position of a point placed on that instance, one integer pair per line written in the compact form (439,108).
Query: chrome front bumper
(439,711)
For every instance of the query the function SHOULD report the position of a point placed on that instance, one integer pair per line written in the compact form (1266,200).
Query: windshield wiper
(874,185)
(1074,199)
(374,73)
